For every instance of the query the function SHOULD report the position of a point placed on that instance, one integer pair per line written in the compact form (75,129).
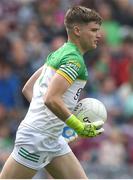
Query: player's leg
(14,170)
(66,167)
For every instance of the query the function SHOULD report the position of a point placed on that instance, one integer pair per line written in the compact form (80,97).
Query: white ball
(90,110)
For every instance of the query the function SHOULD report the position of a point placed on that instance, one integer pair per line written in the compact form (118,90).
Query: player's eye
(94,29)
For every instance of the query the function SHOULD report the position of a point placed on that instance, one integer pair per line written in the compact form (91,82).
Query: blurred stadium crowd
(29,30)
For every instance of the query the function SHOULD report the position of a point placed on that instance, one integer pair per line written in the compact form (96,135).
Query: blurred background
(29,30)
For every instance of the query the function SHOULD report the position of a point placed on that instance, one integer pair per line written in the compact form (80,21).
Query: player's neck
(77,44)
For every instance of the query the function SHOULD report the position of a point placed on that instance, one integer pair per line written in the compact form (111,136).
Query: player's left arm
(28,87)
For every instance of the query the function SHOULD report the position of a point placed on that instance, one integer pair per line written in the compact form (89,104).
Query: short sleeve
(70,70)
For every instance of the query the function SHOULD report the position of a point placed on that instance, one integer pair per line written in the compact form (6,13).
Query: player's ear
(76,30)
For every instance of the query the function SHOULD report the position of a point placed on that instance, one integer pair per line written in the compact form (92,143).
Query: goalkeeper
(56,91)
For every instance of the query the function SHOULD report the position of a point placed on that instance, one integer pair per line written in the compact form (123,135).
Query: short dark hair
(81,15)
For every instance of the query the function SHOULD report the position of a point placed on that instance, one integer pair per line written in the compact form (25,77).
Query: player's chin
(94,46)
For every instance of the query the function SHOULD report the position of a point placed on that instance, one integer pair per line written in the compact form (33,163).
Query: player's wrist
(73,122)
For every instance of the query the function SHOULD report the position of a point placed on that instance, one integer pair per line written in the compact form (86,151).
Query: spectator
(107,93)
(111,27)
(112,151)
(5,48)
(36,49)
(122,60)
(5,142)
(9,86)
(57,42)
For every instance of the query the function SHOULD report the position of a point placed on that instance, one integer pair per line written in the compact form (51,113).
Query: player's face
(89,36)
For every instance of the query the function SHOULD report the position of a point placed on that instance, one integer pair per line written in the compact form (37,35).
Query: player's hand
(69,134)
(91,129)
(85,129)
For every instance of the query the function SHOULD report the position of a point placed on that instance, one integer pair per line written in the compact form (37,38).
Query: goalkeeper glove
(85,129)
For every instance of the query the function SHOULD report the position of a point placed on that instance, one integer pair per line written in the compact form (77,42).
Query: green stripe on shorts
(27,155)
(36,155)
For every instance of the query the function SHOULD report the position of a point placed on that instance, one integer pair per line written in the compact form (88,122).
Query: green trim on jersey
(68,60)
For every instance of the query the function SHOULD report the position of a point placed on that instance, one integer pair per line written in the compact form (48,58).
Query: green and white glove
(85,129)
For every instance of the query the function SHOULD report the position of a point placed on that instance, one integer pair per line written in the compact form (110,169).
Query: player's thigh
(14,170)
(66,167)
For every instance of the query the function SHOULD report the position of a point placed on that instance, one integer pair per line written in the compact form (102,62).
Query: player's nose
(98,35)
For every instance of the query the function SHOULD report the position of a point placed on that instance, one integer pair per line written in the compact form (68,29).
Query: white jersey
(68,62)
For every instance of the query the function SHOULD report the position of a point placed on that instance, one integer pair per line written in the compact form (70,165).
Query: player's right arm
(53,100)
(69,134)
